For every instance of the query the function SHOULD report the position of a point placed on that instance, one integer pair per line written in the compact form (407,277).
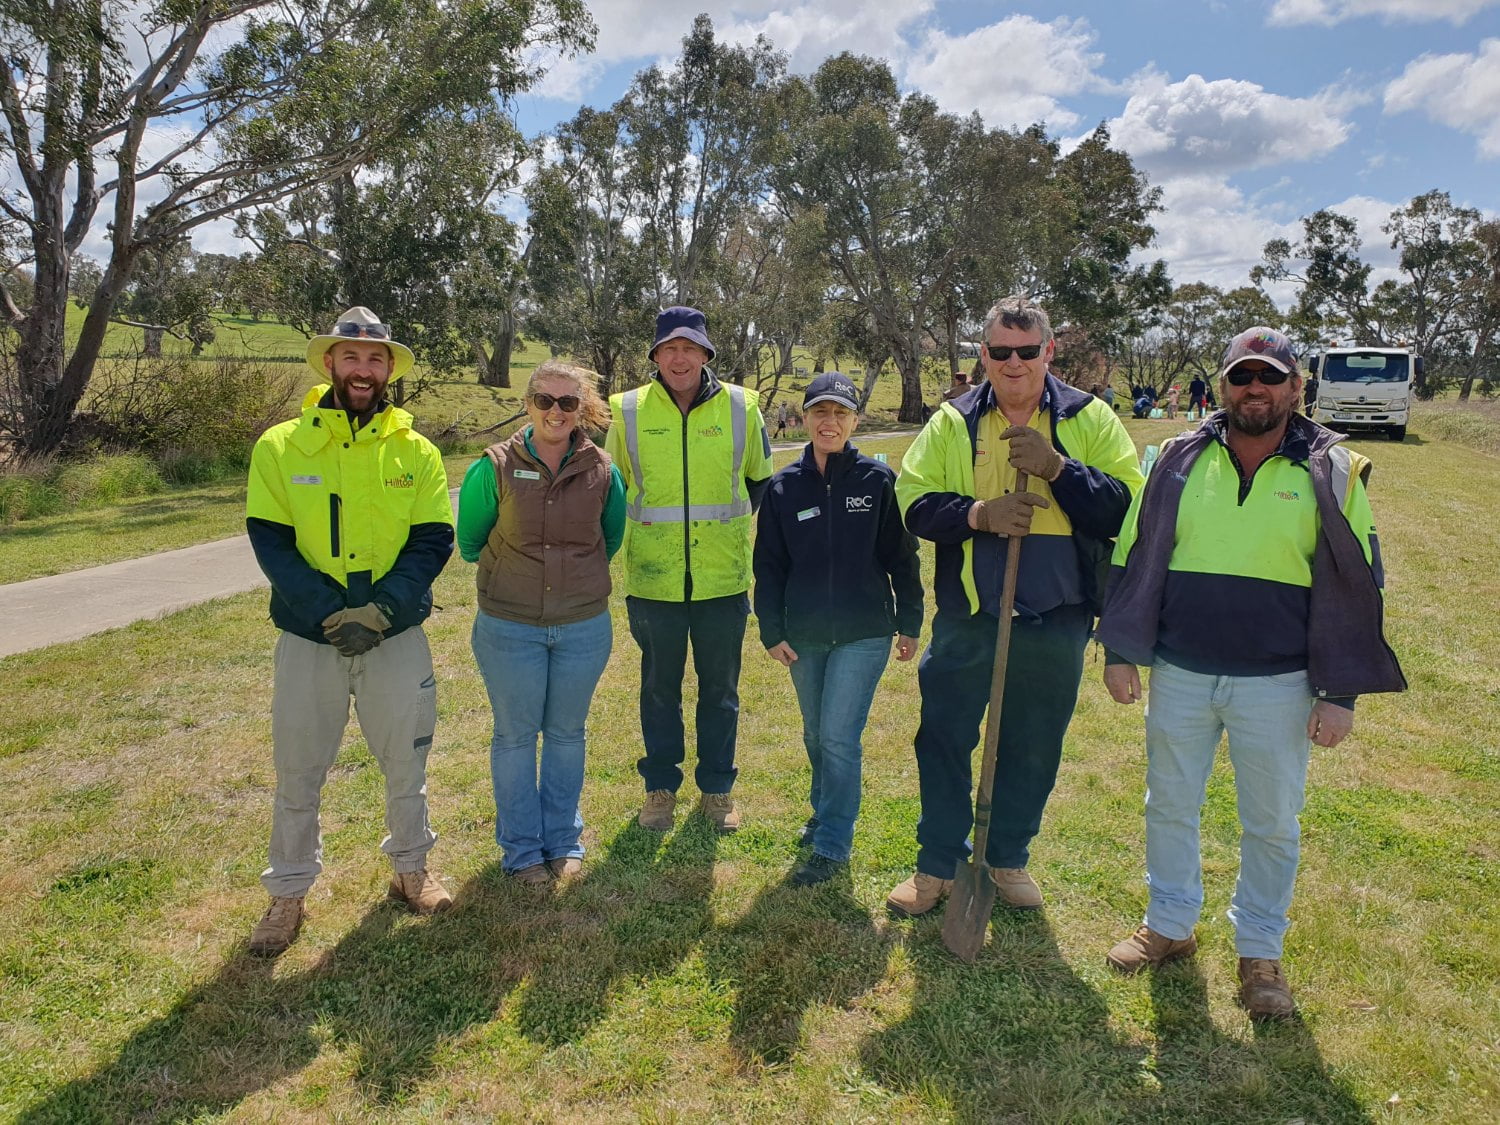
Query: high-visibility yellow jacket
(691,482)
(343,518)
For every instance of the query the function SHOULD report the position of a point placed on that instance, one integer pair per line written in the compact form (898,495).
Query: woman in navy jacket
(836,575)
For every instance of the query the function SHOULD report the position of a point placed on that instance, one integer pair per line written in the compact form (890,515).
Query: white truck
(1364,388)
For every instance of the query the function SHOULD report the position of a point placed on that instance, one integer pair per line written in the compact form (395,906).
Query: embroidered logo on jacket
(404,480)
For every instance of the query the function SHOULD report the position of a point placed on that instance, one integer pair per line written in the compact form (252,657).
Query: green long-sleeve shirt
(479,507)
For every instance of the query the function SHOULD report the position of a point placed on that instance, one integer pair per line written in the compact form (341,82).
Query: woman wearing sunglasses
(542,513)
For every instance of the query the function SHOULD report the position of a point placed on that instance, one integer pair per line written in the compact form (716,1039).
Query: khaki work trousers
(395,698)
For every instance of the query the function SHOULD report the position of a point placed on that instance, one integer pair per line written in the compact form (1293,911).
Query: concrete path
(65,607)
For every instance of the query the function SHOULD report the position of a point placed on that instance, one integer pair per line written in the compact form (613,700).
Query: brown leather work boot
(1146,948)
(278,927)
(1264,991)
(720,810)
(658,812)
(918,895)
(565,867)
(420,891)
(1016,888)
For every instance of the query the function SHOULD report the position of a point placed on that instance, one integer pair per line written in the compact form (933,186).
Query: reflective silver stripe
(721,512)
(1339,461)
(739,504)
(629,410)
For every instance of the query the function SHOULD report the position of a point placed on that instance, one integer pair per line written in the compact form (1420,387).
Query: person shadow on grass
(1015,1036)
(390,991)
(632,916)
(1206,1074)
(795,947)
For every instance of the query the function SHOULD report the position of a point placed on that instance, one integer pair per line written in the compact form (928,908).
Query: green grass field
(683,978)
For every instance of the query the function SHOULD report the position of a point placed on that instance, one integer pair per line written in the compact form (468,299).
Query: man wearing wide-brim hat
(696,458)
(349,516)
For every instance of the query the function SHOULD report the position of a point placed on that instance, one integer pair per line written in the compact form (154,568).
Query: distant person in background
(959,386)
(1174,396)
(1198,394)
(1109,396)
(542,513)
(783,414)
(347,510)
(836,575)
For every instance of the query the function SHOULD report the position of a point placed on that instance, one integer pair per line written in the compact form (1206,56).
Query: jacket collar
(1303,436)
(707,387)
(322,424)
(838,463)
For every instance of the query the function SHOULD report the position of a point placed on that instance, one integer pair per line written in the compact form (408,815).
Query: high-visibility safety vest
(687,504)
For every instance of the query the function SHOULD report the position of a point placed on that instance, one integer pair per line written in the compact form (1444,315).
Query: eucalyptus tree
(176,114)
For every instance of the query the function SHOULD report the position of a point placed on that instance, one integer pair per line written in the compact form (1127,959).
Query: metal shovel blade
(968,914)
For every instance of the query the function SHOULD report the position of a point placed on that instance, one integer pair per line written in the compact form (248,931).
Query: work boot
(278,926)
(565,867)
(1147,947)
(918,895)
(536,877)
(1016,888)
(658,811)
(1264,992)
(420,891)
(818,869)
(805,833)
(720,810)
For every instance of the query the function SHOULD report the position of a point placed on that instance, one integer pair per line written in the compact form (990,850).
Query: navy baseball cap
(681,322)
(831,386)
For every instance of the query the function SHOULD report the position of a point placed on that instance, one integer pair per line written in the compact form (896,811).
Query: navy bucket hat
(681,322)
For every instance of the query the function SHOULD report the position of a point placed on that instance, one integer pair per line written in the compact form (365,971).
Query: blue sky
(1247,114)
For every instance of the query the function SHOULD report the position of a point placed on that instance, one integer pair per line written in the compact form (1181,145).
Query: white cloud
(1460,91)
(1015,72)
(1210,232)
(1291,13)
(1198,127)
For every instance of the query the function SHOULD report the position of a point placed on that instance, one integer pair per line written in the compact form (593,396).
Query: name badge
(526,474)
(807,514)
(299,479)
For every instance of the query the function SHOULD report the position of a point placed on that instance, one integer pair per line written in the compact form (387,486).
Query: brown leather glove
(356,631)
(1032,453)
(1008,515)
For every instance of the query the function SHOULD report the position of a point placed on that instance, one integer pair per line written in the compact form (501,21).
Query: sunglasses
(1270,377)
(362,331)
(1000,353)
(566,403)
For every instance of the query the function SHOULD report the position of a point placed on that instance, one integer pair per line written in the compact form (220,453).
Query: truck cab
(1364,389)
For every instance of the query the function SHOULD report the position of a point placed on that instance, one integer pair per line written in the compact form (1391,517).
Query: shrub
(44,486)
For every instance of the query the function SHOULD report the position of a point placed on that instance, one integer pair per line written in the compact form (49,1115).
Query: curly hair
(593,414)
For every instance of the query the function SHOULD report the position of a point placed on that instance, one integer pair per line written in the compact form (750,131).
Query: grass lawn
(682,978)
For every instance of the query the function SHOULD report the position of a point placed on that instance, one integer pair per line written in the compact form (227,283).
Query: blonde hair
(593,413)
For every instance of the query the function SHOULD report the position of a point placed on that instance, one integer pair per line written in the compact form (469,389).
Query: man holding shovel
(958,487)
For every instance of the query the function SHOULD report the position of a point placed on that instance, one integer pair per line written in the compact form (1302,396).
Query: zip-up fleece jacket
(830,553)
(1099,476)
(545,562)
(342,518)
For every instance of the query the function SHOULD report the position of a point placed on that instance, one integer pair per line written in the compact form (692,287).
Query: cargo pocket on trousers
(426,706)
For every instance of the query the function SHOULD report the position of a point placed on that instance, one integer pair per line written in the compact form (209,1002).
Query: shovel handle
(997,692)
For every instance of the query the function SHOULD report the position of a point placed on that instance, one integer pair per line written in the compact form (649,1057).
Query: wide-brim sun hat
(681,323)
(359,323)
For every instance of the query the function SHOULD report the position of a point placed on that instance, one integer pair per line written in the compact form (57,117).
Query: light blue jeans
(1266,719)
(540,680)
(835,686)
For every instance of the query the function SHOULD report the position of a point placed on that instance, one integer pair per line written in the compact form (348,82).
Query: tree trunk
(152,349)
(872,373)
(908,359)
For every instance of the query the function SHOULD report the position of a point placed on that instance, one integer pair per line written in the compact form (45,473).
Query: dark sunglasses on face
(362,331)
(1269,377)
(566,403)
(1000,353)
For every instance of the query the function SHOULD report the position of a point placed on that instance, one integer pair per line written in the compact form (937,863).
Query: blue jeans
(835,686)
(716,628)
(1266,719)
(1041,689)
(540,679)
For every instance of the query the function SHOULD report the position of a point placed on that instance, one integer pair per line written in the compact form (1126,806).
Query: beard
(1258,422)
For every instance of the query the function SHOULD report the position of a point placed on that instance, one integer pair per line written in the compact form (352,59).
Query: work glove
(1008,515)
(1032,453)
(356,631)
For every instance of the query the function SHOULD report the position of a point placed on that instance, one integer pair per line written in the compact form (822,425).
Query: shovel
(973,894)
